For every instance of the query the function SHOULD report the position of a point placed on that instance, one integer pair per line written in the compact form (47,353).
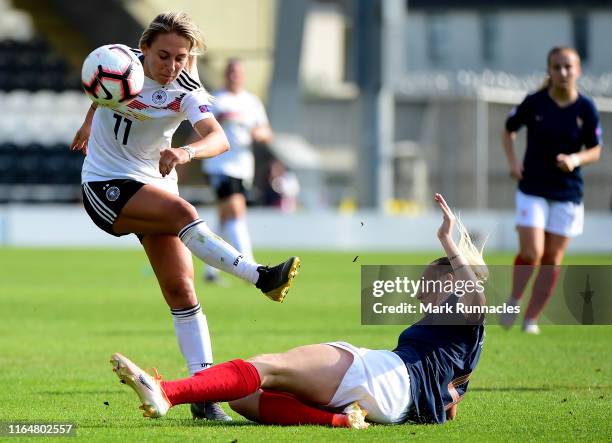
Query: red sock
(543,288)
(279,408)
(521,273)
(224,382)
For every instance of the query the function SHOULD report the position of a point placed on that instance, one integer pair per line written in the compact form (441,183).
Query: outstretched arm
(79,143)
(461,267)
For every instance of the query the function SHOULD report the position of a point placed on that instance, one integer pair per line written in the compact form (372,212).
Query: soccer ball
(112,75)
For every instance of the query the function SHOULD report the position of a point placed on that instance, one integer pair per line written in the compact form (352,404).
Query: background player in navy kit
(549,211)
(244,120)
(130,184)
(422,379)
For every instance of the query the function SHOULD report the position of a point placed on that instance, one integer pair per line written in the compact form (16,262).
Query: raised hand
(448,221)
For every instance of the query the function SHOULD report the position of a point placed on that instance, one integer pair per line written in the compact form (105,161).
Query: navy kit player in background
(422,379)
(549,211)
(244,121)
(130,183)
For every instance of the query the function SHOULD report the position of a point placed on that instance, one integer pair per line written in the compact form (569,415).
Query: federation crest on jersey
(112,193)
(159,97)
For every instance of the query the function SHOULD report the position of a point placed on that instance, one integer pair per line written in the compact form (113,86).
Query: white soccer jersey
(125,142)
(238,114)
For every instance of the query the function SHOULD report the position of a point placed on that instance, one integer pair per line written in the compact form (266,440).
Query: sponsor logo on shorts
(112,193)
(159,97)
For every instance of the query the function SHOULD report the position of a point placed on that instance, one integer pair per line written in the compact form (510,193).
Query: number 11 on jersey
(126,131)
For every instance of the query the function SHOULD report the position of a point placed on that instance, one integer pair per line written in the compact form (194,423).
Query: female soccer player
(130,183)
(244,120)
(422,379)
(549,211)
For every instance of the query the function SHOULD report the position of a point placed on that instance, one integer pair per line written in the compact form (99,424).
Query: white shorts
(378,380)
(561,218)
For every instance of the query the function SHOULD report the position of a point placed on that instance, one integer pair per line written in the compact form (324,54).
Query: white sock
(191,331)
(237,234)
(215,251)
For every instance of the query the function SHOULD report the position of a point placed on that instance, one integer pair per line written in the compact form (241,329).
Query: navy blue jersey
(553,130)
(440,360)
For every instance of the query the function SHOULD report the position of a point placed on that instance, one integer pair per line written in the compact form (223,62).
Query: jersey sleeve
(591,129)
(196,106)
(518,116)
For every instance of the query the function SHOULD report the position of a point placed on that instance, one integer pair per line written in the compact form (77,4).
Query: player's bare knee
(551,259)
(181,211)
(248,406)
(179,292)
(531,256)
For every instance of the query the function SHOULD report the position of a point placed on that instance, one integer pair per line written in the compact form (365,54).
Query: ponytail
(468,251)
(471,253)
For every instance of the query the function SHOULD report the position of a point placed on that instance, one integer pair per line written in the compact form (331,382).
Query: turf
(64,312)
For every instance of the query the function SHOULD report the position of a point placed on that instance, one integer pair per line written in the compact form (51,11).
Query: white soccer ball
(112,75)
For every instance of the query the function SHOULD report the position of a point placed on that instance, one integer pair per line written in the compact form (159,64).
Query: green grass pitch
(64,312)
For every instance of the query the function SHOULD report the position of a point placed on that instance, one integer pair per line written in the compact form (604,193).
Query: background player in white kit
(130,184)
(244,120)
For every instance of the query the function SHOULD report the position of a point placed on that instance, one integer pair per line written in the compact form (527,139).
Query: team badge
(159,97)
(112,193)
(204,109)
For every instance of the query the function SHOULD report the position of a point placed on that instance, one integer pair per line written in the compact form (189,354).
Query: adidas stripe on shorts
(104,201)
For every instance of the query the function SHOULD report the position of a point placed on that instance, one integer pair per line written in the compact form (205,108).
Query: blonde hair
(554,51)
(469,251)
(180,23)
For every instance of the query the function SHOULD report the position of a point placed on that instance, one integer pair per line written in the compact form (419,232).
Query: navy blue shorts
(104,201)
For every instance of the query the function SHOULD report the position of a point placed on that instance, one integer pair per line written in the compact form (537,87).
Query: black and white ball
(112,75)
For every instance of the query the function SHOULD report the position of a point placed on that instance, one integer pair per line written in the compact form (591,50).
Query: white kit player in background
(244,120)
(130,183)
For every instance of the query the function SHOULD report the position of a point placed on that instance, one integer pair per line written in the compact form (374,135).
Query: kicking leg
(154,211)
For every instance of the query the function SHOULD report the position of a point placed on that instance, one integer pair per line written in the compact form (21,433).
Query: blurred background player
(282,188)
(549,210)
(422,379)
(244,120)
(130,183)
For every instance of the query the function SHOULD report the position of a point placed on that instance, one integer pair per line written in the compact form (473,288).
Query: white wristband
(189,150)
(575,159)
